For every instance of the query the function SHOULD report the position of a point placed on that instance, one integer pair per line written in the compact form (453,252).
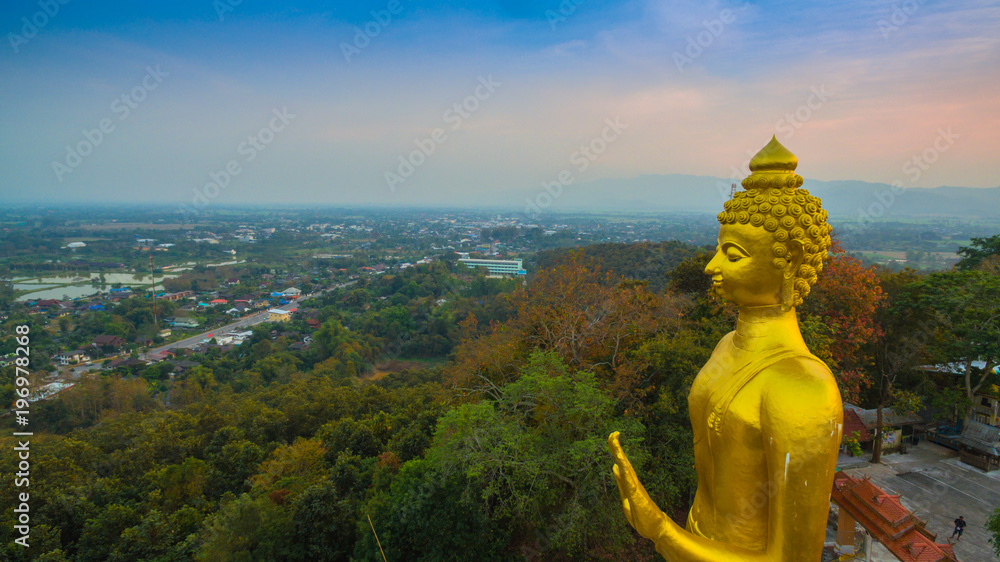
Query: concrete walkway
(937,488)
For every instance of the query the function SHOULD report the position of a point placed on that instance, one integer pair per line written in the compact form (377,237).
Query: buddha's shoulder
(798,377)
(725,344)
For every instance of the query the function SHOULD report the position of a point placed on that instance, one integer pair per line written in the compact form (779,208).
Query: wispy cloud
(888,93)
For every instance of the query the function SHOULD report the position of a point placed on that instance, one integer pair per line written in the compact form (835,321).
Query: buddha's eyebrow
(729,244)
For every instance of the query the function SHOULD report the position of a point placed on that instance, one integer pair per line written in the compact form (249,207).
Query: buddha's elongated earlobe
(794,260)
(787,293)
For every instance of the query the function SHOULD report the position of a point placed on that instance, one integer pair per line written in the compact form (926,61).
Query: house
(897,429)
(313,323)
(278,315)
(48,391)
(853,423)
(979,446)
(986,406)
(239,337)
(183,365)
(232,281)
(127,362)
(178,296)
(185,323)
(291,292)
(75,356)
(219,301)
(106,340)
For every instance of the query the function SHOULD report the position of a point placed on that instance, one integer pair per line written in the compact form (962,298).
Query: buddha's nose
(713,266)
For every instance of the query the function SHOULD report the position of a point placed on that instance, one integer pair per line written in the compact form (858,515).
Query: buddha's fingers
(619,454)
(625,488)
(628,512)
(623,492)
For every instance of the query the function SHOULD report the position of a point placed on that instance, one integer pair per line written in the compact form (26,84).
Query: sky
(399,102)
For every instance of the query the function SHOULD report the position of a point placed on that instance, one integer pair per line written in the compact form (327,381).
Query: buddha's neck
(760,328)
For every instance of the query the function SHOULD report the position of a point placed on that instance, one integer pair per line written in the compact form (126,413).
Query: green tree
(326,523)
(993,526)
(232,466)
(967,308)
(977,251)
(906,330)
(539,455)
(101,532)
(247,529)
(429,513)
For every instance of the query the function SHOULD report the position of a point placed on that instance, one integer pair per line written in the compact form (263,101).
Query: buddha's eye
(734,258)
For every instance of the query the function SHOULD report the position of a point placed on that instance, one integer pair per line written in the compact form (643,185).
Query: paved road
(241,323)
(938,488)
(74,373)
(245,322)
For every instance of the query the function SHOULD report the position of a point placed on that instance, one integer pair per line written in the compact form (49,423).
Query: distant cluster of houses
(110,346)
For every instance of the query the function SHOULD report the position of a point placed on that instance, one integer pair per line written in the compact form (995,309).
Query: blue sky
(855,89)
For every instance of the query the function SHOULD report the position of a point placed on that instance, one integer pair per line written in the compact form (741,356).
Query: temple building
(886,520)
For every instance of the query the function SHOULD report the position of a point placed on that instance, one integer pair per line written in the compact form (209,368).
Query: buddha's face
(742,270)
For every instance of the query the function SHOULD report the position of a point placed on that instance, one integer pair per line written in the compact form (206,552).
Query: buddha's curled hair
(776,204)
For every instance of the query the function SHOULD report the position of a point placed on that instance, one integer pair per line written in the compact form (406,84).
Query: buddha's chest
(720,404)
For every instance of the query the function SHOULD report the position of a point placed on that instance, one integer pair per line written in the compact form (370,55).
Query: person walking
(959,527)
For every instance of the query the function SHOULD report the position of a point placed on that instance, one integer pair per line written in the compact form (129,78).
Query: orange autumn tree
(592,318)
(839,320)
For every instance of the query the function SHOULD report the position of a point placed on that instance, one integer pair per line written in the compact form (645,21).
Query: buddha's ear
(794,259)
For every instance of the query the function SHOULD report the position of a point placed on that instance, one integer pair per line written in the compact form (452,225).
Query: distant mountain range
(686,193)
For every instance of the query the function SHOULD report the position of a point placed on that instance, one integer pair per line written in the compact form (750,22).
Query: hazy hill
(678,192)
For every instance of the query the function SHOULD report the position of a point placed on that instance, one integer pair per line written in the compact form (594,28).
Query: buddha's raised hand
(640,510)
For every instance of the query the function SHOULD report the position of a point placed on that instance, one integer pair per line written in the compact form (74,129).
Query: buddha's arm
(800,425)
(671,541)
(801,419)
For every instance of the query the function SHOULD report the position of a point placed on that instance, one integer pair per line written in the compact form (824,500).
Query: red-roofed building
(885,518)
(852,423)
(106,340)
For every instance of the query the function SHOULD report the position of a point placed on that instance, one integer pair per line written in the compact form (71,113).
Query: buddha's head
(773,237)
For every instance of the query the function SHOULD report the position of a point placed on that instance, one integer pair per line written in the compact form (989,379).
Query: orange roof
(888,521)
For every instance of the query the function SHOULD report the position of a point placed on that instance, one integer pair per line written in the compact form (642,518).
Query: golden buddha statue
(766,413)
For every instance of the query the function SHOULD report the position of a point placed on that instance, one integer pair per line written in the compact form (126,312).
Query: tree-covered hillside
(486,441)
